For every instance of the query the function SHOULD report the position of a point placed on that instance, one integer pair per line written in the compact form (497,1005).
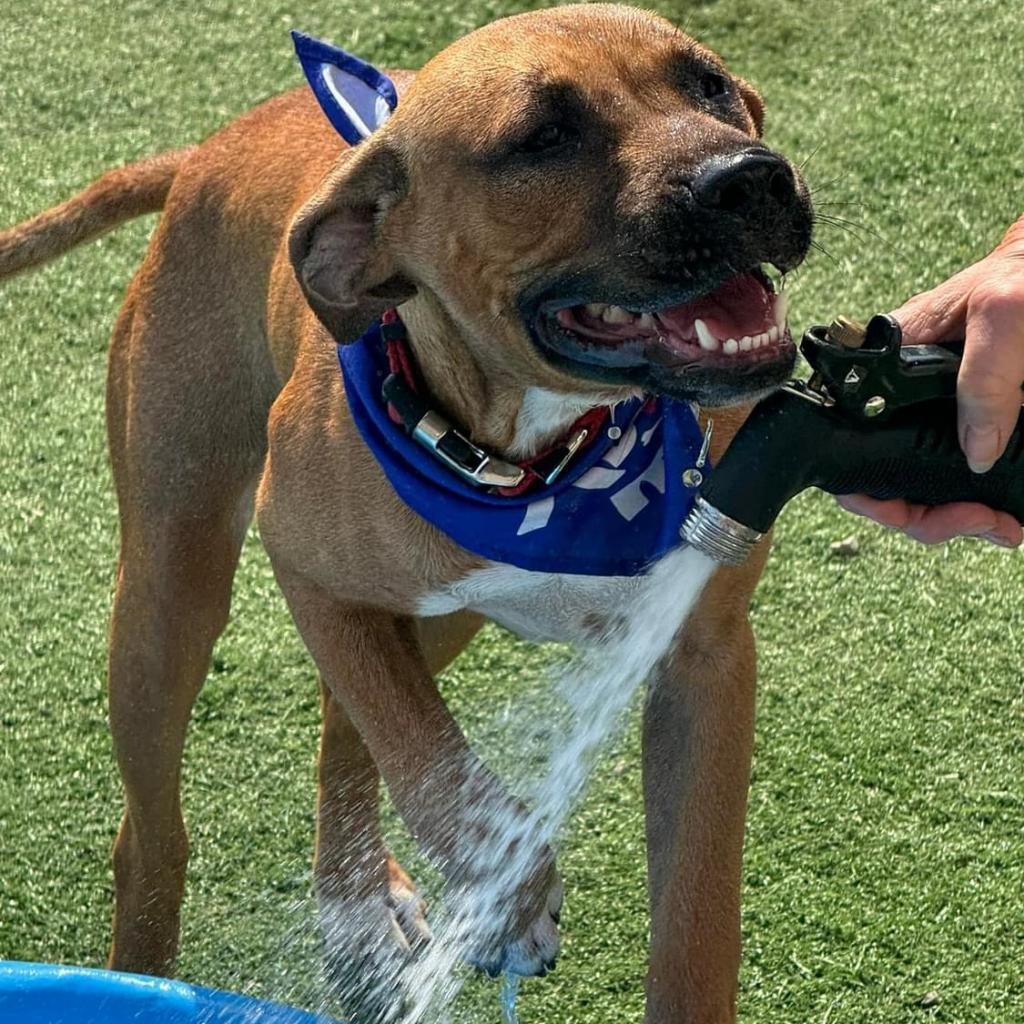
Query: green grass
(885,853)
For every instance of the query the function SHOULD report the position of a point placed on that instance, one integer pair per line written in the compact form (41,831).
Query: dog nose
(743,183)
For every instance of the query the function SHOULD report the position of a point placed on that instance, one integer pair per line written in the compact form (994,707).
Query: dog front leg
(698,738)
(375,667)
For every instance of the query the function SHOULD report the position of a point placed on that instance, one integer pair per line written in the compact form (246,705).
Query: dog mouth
(738,328)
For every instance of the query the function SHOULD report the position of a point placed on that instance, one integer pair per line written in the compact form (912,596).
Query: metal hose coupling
(714,534)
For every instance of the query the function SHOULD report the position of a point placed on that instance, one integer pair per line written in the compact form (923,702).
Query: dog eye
(547,137)
(713,85)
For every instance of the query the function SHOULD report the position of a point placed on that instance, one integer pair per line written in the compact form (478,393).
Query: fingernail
(995,538)
(981,446)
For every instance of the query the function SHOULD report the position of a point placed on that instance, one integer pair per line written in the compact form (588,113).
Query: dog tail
(116,197)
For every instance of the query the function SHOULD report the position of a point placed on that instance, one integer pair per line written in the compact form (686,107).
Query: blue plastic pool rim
(58,993)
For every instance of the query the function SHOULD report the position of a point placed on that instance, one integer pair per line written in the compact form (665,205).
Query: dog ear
(335,242)
(754,104)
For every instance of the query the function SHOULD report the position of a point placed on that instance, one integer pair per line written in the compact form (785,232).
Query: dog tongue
(741,306)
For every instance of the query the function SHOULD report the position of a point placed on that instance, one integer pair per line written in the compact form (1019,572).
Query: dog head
(582,194)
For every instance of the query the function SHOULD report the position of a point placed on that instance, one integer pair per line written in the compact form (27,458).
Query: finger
(934,525)
(1008,533)
(940,523)
(989,383)
(936,315)
(895,513)
(941,313)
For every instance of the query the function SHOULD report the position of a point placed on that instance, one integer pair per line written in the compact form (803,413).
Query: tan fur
(222,379)
(120,195)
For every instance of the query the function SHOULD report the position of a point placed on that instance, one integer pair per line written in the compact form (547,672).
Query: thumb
(988,388)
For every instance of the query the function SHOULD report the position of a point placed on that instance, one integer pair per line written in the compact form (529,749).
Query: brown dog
(580,155)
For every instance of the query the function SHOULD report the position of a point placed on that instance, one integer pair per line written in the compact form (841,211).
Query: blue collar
(615,510)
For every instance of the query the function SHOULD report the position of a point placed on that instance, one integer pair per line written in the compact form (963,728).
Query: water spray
(875,417)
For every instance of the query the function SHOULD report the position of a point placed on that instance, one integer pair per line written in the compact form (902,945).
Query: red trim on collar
(592,421)
(400,361)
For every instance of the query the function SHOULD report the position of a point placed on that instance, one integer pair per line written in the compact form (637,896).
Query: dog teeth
(773,335)
(730,346)
(780,309)
(616,315)
(595,309)
(746,343)
(707,340)
(646,320)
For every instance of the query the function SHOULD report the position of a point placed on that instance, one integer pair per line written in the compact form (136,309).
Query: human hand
(983,304)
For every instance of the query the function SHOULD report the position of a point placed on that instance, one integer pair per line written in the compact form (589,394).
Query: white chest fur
(539,605)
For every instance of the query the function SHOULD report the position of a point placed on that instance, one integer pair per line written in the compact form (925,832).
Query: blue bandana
(615,510)
(355,96)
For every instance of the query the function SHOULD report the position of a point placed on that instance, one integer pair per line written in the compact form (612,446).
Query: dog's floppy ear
(335,240)
(754,104)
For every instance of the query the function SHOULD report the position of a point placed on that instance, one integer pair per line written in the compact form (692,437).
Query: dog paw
(369,944)
(408,907)
(530,949)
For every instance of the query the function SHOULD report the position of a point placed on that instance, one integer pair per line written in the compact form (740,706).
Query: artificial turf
(884,876)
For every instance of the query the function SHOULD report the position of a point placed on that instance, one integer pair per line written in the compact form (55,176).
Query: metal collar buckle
(457,452)
(549,468)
